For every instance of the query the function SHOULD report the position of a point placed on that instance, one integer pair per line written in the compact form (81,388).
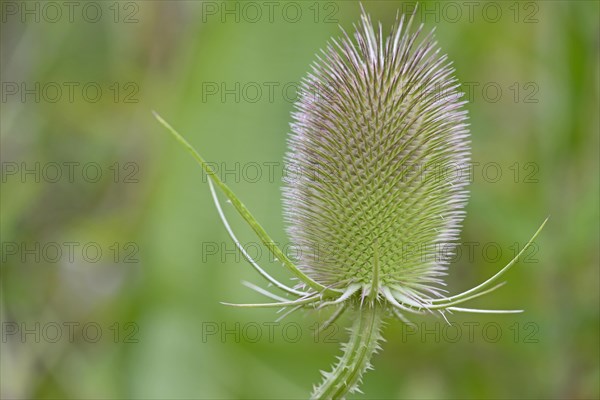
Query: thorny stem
(365,335)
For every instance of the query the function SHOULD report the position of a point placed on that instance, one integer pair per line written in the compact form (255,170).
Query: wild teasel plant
(383,106)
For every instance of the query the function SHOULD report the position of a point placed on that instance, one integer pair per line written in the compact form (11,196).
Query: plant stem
(365,335)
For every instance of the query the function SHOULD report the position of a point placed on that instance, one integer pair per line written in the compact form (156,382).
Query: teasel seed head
(367,217)
(374,118)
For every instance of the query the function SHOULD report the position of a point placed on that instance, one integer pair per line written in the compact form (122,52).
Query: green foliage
(542,132)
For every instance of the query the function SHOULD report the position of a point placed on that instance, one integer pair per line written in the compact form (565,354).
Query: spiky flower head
(375,117)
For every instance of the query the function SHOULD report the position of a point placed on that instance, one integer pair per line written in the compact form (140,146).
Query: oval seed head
(374,196)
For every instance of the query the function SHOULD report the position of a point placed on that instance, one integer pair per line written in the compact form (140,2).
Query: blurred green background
(143,319)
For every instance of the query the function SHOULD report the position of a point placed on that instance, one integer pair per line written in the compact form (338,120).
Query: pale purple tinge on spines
(370,112)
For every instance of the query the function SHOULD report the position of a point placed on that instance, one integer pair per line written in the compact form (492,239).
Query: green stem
(363,343)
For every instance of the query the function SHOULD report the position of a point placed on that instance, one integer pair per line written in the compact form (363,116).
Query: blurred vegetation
(152,201)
